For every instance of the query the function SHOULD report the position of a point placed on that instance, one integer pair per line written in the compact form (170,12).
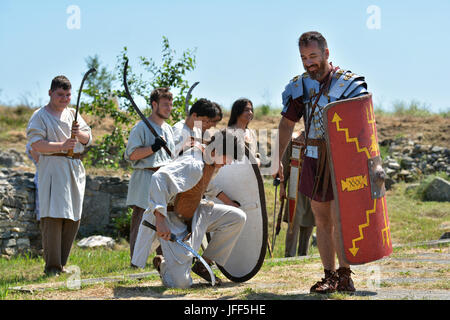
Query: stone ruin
(105,197)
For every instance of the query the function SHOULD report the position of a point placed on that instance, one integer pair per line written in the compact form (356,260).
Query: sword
(276,183)
(188,97)
(70,152)
(144,118)
(280,216)
(173,238)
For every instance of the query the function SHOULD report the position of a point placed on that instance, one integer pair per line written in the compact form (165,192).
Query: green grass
(92,263)
(413,220)
(413,108)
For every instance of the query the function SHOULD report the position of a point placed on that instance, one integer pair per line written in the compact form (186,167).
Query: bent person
(176,206)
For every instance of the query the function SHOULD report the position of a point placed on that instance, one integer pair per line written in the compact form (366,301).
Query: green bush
(122,224)
(107,98)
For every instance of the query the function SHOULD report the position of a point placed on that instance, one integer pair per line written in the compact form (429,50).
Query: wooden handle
(70,152)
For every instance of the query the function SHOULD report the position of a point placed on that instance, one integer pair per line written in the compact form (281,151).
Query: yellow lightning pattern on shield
(354,249)
(337,119)
(373,148)
(373,139)
(386,227)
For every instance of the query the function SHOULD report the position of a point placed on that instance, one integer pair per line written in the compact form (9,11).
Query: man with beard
(146,155)
(306,96)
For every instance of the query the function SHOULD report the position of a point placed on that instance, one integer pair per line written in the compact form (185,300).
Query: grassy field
(410,220)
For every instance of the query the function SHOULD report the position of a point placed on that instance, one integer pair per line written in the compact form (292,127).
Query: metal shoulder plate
(294,90)
(346,84)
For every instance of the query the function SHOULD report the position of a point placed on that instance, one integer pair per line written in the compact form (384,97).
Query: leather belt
(316,142)
(62,154)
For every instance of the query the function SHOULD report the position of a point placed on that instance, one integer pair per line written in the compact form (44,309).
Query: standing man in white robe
(145,153)
(61,178)
(183,176)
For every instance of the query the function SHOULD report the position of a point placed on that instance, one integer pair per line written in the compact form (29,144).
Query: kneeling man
(176,205)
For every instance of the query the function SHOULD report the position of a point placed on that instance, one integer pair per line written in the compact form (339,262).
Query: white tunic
(141,136)
(225,222)
(182,133)
(61,180)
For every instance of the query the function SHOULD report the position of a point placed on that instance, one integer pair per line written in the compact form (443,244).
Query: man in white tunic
(176,193)
(61,178)
(202,113)
(146,155)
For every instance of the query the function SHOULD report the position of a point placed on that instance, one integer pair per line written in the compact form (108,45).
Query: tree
(107,98)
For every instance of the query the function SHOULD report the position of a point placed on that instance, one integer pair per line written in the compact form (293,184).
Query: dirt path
(412,273)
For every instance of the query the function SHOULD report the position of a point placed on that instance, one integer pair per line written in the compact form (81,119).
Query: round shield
(241,181)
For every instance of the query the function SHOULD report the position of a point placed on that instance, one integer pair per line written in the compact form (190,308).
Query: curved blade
(188,97)
(199,257)
(135,107)
(184,245)
(81,88)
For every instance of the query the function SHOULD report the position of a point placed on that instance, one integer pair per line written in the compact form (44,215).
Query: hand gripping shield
(358,180)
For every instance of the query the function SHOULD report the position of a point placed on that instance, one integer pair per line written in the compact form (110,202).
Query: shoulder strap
(322,90)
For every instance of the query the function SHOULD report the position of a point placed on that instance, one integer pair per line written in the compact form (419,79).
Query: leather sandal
(345,282)
(200,270)
(327,284)
(157,262)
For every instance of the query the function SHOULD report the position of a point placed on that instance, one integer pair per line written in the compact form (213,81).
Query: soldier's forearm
(285,130)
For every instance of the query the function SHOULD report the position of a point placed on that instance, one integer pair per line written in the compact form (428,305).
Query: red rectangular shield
(358,180)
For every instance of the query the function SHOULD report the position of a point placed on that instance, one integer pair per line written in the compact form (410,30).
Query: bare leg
(325,239)
(337,239)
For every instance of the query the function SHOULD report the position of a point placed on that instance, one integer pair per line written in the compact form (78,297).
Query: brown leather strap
(322,90)
(315,142)
(62,154)
(152,169)
(322,170)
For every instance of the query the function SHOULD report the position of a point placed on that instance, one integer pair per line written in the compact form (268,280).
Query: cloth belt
(322,169)
(152,169)
(62,154)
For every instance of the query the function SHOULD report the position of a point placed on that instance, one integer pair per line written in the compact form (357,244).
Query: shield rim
(335,191)
(265,235)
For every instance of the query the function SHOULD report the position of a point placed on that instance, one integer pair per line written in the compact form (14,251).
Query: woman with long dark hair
(240,117)
(241,114)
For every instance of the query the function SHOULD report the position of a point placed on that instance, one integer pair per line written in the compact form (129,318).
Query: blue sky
(245,48)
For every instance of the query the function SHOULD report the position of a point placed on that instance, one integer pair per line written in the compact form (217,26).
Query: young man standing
(146,155)
(61,178)
(306,96)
